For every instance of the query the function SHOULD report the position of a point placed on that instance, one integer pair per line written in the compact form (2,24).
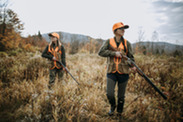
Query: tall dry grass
(24,95)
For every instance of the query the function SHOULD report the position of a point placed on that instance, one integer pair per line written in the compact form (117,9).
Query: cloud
(95,18)
(168,14)
(174,1)
(171,1)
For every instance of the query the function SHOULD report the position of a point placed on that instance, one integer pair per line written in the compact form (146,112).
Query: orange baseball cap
(119,25)
(54,34)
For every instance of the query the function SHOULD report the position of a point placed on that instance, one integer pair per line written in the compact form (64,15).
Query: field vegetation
(24,95)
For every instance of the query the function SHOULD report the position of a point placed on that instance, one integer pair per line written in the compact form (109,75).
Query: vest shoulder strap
(113,44)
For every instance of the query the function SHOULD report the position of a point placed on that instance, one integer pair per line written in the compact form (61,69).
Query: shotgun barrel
(141,73)
(68,71)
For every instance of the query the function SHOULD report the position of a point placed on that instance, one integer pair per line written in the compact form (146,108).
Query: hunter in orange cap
(118,68)
(54,35)
(55,52)
(119,25)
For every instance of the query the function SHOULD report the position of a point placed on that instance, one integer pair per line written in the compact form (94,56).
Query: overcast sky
(95,18)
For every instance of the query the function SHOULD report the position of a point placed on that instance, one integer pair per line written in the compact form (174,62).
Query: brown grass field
(24,95)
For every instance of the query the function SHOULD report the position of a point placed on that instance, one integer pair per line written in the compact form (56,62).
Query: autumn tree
(74,47)
(10,28)
(141,35)
(155,38)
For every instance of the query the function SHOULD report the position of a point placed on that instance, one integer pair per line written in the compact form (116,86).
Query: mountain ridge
(69,37)
(161,47)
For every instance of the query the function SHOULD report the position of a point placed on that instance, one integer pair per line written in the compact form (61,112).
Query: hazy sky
(95,18)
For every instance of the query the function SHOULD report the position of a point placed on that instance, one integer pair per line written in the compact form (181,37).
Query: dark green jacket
(123,66)
(49,56)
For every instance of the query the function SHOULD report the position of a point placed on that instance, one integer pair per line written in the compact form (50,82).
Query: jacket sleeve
(47,55)
(130,53)
(104,50)
(63,55)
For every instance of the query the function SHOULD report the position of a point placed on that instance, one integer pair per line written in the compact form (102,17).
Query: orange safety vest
(120,48)
(56,53)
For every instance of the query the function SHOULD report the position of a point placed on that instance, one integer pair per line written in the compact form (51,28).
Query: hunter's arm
(130,53)
(104,50)
(63,55)
(45,54)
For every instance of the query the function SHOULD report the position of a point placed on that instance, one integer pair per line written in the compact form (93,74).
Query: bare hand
(64,69)
(54,59)
(118,54)
(134,69)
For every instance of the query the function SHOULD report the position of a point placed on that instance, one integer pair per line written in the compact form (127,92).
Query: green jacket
(48,55)
(123,66)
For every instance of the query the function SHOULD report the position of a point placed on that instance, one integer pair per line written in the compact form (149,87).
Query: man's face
(120,31)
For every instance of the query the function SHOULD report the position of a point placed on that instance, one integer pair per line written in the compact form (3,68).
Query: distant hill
(161,47)
(78,42)
(68,37)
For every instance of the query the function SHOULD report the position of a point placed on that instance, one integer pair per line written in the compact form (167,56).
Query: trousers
(121,80)
(53,73)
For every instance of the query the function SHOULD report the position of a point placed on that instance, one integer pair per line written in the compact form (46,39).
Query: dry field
(24,95)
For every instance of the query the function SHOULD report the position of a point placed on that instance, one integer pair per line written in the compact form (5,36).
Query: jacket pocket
(123,68)
(110,68)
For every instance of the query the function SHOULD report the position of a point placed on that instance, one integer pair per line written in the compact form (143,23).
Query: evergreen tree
(39,35)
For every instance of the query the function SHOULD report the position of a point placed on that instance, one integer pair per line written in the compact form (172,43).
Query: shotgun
(67,71)
(140,72)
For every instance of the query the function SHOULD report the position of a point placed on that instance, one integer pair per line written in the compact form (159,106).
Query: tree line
(10,32)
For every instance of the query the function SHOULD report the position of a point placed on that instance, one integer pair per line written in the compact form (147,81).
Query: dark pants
(112,79)
(53,74)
